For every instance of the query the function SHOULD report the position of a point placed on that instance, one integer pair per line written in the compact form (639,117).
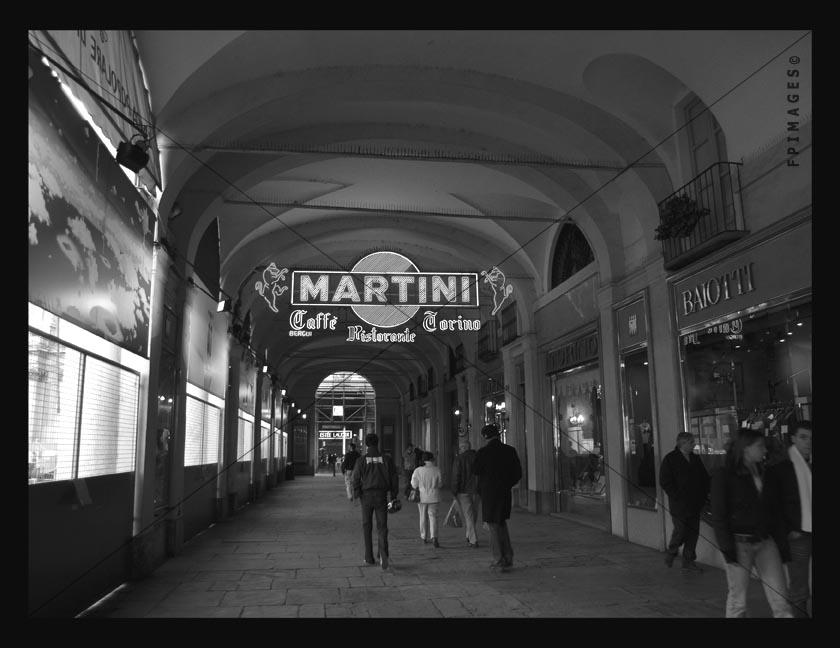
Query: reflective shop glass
(203,422)
(753,370)
(639,433)
(245,440)
(578,432)
(82,413)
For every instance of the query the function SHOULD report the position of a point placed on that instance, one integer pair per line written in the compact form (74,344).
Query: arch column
(475,409)
(539,445)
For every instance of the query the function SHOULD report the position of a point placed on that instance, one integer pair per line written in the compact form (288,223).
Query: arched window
(571,253)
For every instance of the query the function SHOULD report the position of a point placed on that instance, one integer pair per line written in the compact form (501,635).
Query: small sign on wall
(631,321)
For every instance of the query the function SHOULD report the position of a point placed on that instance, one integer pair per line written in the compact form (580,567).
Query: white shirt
(428,480)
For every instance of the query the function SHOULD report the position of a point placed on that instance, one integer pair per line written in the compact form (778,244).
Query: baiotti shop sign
(766,272)
(385,290)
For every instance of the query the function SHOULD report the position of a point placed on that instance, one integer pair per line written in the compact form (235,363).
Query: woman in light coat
(427,479)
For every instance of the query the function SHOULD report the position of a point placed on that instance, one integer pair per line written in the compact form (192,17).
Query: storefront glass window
(639,434)
(578,436)
(754,369)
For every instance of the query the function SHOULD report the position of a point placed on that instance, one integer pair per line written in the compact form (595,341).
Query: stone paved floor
(298,551)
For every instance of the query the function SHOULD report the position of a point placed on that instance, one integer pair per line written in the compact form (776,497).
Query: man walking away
(347,465)
(684,478)
(375,481)
(498,469)
(464,486)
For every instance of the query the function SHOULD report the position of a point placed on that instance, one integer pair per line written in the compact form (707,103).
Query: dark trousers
(686,531)
(500,543)
(375,501)
(408,472)
(799,590)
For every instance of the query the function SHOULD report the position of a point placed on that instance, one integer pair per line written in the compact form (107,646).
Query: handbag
(453,517)
(414,495)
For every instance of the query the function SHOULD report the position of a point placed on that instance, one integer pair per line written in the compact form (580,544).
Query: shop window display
(578,437)
(754,369)
(638,429)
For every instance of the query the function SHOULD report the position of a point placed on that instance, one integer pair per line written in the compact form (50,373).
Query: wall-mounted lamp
(222,306)
(488,404)
(576,419)
(298,409)
(304,416)
(457,412)
(265,368)
(132,155)
(283,392)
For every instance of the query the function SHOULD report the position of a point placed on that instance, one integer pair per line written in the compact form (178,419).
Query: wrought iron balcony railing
(488,345)
(717,193)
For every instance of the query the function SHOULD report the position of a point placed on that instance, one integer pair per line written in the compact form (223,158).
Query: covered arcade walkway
(297,552)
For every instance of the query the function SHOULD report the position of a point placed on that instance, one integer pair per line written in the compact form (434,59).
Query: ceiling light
(488,404)
(265,368)
(799,323)
(283,392)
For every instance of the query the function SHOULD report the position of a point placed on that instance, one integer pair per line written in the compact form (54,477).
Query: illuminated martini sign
(385,290)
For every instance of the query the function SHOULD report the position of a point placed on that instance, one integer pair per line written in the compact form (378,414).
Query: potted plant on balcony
(679,216)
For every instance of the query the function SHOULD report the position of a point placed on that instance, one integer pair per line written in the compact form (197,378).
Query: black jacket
(375,472)
(464,479)
(685,482)
(783,475)
(498,469)
(738,507)
(349,460)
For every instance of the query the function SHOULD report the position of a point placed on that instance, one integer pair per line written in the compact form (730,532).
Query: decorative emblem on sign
(631,324)
(269,288)
(501,292)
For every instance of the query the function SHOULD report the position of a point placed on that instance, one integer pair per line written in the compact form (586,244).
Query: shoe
(474,545)
(691,566)
(435,543)
(425,541)
(669,559)
(500,566)
(383,559)
(369,562)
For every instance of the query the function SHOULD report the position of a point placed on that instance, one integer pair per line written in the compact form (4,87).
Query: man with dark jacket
(685,480)
(792,479)
(498,469)
(464,486)
(375,482)
(347,465)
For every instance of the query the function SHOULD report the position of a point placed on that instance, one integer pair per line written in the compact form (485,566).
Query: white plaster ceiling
(601,97)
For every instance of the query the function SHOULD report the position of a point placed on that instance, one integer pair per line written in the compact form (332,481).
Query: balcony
(717,189)
(488,346)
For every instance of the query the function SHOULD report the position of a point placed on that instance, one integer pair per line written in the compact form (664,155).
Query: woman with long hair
(748,524)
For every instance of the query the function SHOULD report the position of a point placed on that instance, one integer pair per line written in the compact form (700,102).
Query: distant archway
(345,411)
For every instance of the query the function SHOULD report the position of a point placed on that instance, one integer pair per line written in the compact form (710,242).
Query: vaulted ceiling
(459,149)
